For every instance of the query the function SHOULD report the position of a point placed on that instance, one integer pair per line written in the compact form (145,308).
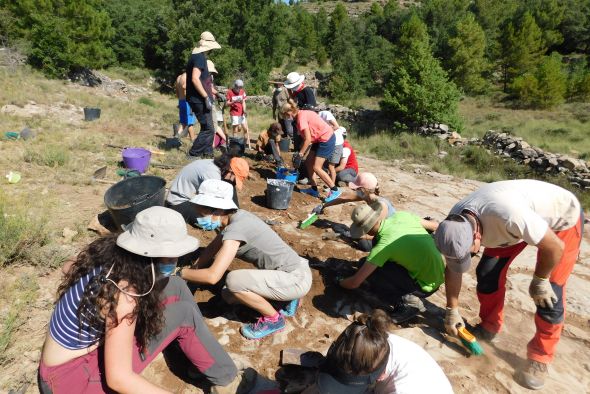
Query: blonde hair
(290,106)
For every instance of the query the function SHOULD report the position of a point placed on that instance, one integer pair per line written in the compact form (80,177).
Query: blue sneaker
(291,308)
(262,328)
(311,192)
(334,194)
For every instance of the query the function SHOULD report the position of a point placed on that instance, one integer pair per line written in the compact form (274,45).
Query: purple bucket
(136,159)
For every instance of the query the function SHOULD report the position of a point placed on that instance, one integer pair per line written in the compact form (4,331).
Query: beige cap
(206,43)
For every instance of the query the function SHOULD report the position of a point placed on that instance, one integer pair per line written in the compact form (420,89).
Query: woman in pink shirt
(320,136)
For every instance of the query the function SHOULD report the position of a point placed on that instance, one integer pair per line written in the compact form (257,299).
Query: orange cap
(241,170)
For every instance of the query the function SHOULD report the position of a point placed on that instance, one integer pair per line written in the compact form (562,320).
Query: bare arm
(342,164)
(550,252)
(213,274)
(352,282)
(306,141)
(453,281)
(206,257)
(347,195)
(118,353)
(334,124)
(430,225)
(197,82)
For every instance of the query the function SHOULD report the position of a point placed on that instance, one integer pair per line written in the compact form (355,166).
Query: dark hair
(275,129)
(362,347)
(99,301)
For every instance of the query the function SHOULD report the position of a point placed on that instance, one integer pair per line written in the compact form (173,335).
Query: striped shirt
(65,327)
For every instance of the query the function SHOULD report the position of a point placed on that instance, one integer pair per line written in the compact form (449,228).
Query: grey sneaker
(402,313)
(532,376)
(484,335)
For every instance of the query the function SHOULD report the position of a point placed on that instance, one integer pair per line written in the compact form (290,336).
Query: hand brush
(469,341)
(308,221)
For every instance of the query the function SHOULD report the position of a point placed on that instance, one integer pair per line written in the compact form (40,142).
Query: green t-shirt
(402,240)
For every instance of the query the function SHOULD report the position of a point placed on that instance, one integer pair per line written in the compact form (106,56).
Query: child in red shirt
(236,99)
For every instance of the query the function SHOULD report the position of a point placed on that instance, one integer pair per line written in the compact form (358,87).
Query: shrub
(48,156)
(147,101)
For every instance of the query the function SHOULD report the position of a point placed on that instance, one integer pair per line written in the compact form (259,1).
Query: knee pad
(488,273)
(553,315)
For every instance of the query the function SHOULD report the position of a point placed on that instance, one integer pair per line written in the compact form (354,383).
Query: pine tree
(467,62)
(552,81)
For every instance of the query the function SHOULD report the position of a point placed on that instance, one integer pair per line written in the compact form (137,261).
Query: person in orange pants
(505,217)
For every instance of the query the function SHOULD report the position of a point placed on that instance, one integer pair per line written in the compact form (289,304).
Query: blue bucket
(288,175)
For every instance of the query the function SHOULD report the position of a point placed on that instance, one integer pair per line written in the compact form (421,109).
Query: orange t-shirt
(320,130)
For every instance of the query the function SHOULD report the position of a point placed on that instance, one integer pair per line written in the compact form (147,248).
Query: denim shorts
(324,149)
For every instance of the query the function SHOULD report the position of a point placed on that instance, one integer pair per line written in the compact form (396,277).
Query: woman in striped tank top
(120,305)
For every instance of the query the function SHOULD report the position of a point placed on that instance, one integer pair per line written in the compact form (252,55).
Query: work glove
(542,292)
(297,159)
(452,319)
(318,209)
(365,245)
(208,103)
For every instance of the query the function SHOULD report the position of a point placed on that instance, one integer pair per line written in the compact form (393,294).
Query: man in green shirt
(403,254)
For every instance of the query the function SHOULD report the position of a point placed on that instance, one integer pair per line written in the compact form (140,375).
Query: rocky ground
(326,310)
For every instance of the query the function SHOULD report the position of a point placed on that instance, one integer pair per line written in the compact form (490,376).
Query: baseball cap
(157,232)
(454,239)
(241,170)
(239,83)
(365,180)
(364,218)
(215,193)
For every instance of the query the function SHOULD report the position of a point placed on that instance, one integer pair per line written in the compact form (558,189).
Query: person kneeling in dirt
(363,188)
(404,256)
(367,357)
(266,138)
(184,187)
(505,217)
(281,275)
(119,306)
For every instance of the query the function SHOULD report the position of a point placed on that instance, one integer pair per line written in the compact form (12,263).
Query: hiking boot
(414,302)
(334,194)
(532,376)
(484,335)
(311,192)
(402,312)
(291,308)
(263,327)
(243,383)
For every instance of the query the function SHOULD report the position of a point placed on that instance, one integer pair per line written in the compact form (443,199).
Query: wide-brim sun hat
(157,232)
(211,67)
(454,239)
(364,218)
(215,193)
(206,43)
(294,79)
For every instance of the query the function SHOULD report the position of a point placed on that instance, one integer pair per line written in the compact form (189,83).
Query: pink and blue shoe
(263,327)
(334,194)
(291,308)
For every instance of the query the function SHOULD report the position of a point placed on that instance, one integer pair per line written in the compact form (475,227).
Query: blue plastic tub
(288,175)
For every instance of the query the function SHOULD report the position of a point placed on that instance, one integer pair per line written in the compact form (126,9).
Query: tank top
(65,327)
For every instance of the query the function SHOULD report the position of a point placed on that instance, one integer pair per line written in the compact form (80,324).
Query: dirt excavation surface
(327,310)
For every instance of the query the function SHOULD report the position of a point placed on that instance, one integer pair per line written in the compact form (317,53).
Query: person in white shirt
(505,217)
(339,133)
(366,357)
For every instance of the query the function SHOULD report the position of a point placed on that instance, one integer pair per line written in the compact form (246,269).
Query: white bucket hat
(294,79)
(157,232)
(215,193)
(206,43)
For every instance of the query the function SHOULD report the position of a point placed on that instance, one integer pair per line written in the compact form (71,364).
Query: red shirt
(320,130)
(351,162)
(235,101)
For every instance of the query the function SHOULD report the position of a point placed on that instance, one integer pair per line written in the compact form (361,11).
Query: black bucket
(278,193)
(127,198)
(91,113)
(285,144)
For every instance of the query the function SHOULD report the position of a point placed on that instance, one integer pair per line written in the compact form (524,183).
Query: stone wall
(522,152)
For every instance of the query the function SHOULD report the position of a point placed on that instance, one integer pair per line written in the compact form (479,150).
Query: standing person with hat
(404,259)
(185,185)
(505,217)
(280,274)
(185,113)
(220,137)
(280,96)
(367,358)
(120,305)
(318,139)
(304,97)
(198,98)
(236,99)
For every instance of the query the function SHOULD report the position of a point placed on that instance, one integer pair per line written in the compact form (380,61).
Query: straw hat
(211,67)
(294,79)
(157,232)
(215,193)
(364,218)
(206,43)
